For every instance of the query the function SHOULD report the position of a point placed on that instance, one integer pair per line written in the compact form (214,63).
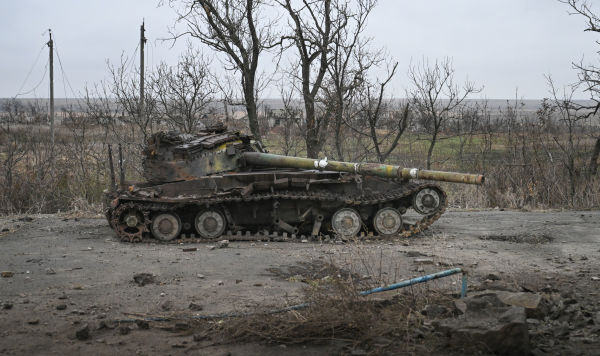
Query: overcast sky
(500,44)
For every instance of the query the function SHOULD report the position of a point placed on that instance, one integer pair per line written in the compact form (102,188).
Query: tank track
(147,207)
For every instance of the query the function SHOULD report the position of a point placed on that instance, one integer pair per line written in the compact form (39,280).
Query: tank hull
(275,202)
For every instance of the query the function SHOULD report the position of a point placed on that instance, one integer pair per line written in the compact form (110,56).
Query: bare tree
(570,119)
(235,29)
(488,130)
(13,149)
(86,164)
(315,24)
(465,124)
(378,119)
(184,91)
(435,95)
(115,106)
(351,59)
(124,88)
(100,107)
(290,117)
(589,75)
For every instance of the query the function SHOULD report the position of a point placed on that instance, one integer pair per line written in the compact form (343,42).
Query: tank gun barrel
(374,169)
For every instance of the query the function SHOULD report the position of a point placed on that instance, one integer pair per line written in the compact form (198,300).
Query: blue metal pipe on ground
(422,279)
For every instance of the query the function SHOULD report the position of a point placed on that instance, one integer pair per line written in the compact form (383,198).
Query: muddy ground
(60,274)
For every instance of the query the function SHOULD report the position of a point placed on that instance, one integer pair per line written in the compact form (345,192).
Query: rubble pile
(515,323)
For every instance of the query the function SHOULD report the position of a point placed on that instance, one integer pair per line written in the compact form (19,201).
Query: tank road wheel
(210,224)
(427,201)
(387,221)
(166,226)
(346,222)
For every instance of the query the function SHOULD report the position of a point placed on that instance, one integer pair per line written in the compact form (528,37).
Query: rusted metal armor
(221,183)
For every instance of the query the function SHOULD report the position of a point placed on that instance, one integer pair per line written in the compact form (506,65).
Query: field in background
(523,170)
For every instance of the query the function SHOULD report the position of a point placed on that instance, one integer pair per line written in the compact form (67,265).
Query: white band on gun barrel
(414,173)
(321,164)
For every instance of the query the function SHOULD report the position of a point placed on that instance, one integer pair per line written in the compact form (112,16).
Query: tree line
(334,84)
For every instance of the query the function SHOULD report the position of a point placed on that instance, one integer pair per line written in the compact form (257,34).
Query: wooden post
(112,169)
(142,42)
(51,50)
(121,168)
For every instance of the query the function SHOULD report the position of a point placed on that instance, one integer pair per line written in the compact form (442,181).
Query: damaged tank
(218,183)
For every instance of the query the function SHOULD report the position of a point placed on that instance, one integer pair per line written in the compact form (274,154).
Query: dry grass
(338,315)
(530,176)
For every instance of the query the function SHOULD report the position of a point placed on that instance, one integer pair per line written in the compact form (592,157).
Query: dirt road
(61,274)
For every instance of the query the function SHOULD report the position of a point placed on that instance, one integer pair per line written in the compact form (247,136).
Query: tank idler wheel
(166,226)
(427,201)
(346,222)
(387,221)
(210,224)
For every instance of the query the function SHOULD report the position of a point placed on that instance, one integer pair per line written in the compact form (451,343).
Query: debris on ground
(166,305)
(141,279)
(195,307)
(83,333)
(493,277)
(424,261)
(535,306)
(182,325)
(7,274)
(486,320)
(105,325)
(124,330)
(436,311)
(414,254)
(142,324)
(529,238)
(223,243)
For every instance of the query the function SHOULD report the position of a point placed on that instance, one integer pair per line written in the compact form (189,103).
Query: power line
(130,60)
(31,70)
(64,74)
(37,85)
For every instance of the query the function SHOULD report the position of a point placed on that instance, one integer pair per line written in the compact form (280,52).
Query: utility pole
(142,42)
(51,47)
